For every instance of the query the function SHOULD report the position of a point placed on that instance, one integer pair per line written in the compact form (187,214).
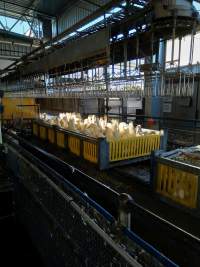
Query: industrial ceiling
(48,8)
(48,13)
(45,8)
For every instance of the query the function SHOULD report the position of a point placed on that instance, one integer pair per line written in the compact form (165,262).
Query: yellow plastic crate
(35,129)
(43,132)
(60,139)
(133,147)
(99,151)
(74,145)
(90,151)
(177,185)
(51,135)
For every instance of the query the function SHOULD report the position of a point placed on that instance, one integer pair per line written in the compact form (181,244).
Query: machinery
(125,62)
(100,213)
(180,8)
(96,224)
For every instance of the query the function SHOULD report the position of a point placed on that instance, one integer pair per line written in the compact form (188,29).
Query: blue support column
(164,138)
(103,154)
(153,103)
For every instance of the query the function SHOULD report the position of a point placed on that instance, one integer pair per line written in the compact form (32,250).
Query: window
(185,51)
(26,27)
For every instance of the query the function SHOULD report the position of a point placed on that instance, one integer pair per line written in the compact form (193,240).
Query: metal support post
(125,58)
(124,218)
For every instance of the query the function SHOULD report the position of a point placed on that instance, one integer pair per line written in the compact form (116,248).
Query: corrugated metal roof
(19,7)
(49,8)
(78,12)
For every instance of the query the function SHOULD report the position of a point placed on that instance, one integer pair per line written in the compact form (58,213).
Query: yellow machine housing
(20,108)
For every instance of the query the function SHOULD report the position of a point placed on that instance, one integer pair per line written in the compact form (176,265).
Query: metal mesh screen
(74,233)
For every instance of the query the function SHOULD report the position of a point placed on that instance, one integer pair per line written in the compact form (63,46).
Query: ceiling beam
(91,3)
(15,37)
(29,8)
(13,14)
(24,12)
(11,58)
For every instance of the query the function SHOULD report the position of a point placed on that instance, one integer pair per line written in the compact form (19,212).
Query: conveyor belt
(132,179)
(103,195)
(170,239)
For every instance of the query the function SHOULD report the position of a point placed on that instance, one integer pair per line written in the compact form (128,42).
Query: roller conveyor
(142,218)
